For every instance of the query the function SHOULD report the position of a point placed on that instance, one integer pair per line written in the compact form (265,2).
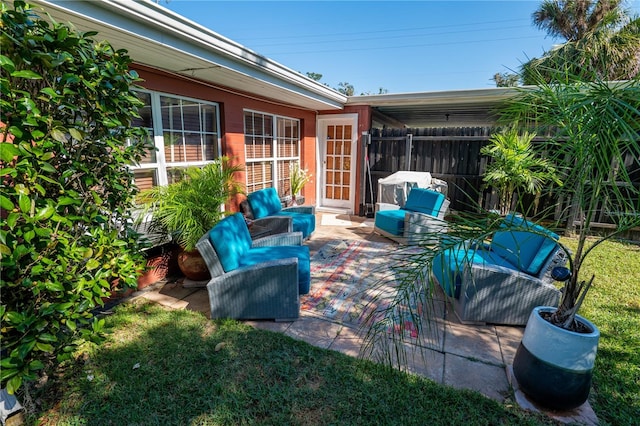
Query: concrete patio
(476,357)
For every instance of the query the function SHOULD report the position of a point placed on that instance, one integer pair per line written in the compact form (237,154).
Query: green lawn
(613,304)
(161,367)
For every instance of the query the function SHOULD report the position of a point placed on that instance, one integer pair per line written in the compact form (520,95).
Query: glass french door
(338,147)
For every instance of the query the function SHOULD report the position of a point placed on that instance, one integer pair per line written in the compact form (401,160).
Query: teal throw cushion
(528,247)
(231,240)
(424,201)
(264,202)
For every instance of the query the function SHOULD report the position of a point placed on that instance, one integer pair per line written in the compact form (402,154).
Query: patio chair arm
(267,290)
(300,209)
(496,294)
(284,239)
(387,206)
(420,228)
(275,224)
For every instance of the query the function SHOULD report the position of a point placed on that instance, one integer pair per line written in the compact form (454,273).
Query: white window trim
(161,165)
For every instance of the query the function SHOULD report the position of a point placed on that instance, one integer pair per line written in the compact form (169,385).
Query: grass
(613,305)
(163,367)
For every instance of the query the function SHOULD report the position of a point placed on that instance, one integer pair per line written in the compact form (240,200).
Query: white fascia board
(146,19)
(480,96)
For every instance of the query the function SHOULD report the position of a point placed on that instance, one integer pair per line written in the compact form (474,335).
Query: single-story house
(207,96)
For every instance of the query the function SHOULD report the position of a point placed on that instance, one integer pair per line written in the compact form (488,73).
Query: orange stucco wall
(232,105)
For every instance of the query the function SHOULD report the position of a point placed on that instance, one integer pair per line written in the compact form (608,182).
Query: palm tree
(593,30)
(574,19)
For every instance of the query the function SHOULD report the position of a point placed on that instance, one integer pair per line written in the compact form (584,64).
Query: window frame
(162,167)
(280,175)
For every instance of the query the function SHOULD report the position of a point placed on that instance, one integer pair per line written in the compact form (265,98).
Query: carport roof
(160,38)
(423,109)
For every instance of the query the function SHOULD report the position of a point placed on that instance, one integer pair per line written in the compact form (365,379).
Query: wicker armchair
(420,221)
(266,203)
(259,279)
(503,281)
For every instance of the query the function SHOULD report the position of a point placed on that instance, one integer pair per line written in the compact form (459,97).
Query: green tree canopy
(602,41)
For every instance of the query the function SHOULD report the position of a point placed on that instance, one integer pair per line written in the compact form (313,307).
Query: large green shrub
(516,168)
(65,240)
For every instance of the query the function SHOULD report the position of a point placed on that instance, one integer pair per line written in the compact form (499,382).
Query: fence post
(409,146)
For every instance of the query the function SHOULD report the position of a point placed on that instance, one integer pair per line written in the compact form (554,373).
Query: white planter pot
(554,366)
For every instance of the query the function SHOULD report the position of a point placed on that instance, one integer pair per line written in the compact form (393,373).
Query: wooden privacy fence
(453,155)
(450,154)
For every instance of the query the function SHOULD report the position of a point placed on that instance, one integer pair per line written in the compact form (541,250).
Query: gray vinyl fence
(453,155)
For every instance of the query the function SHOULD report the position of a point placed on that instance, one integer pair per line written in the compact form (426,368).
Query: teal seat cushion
(231,240)
(264,202)
(527,249)
(425,201)
(263,254)
(449,264)
(391,221)
(301,222)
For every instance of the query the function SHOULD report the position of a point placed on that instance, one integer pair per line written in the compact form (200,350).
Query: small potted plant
(298,179)
(185,210)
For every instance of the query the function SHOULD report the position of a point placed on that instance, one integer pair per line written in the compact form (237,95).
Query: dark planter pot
(162,262)
(193,265)
(554,366)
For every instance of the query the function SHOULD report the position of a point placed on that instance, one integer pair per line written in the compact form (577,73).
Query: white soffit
(159,38)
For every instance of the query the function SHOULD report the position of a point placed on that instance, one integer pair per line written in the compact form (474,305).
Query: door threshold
(335,210)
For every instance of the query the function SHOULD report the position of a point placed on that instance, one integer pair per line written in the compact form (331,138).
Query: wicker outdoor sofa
(501,281)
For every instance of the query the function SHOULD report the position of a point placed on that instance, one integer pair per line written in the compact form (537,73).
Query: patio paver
(464,373)
(315,331)
(473,342)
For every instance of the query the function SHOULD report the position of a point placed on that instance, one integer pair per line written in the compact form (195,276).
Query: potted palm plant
(185,210)
(595,145)
(298,178)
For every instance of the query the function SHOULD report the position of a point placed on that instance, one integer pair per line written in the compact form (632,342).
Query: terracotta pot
(193,266)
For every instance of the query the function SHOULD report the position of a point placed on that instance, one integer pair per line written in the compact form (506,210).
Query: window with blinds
(185,133)
(272,144)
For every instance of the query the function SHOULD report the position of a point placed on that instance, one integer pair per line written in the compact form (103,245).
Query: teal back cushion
(264,202)
(231,240)
(424,201)
(527,248)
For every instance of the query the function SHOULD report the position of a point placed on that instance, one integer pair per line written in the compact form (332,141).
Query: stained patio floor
(476,357)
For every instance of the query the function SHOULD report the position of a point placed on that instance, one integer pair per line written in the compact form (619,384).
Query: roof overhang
(444,108)
(159,38)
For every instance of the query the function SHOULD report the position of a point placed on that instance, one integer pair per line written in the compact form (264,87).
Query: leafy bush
(187,209)
(66,240)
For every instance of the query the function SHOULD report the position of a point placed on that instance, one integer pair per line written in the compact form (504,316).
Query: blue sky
(412,46)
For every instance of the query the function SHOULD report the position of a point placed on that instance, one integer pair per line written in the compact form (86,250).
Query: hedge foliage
(66,144)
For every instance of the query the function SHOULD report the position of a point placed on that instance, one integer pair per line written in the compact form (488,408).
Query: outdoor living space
(465,356)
